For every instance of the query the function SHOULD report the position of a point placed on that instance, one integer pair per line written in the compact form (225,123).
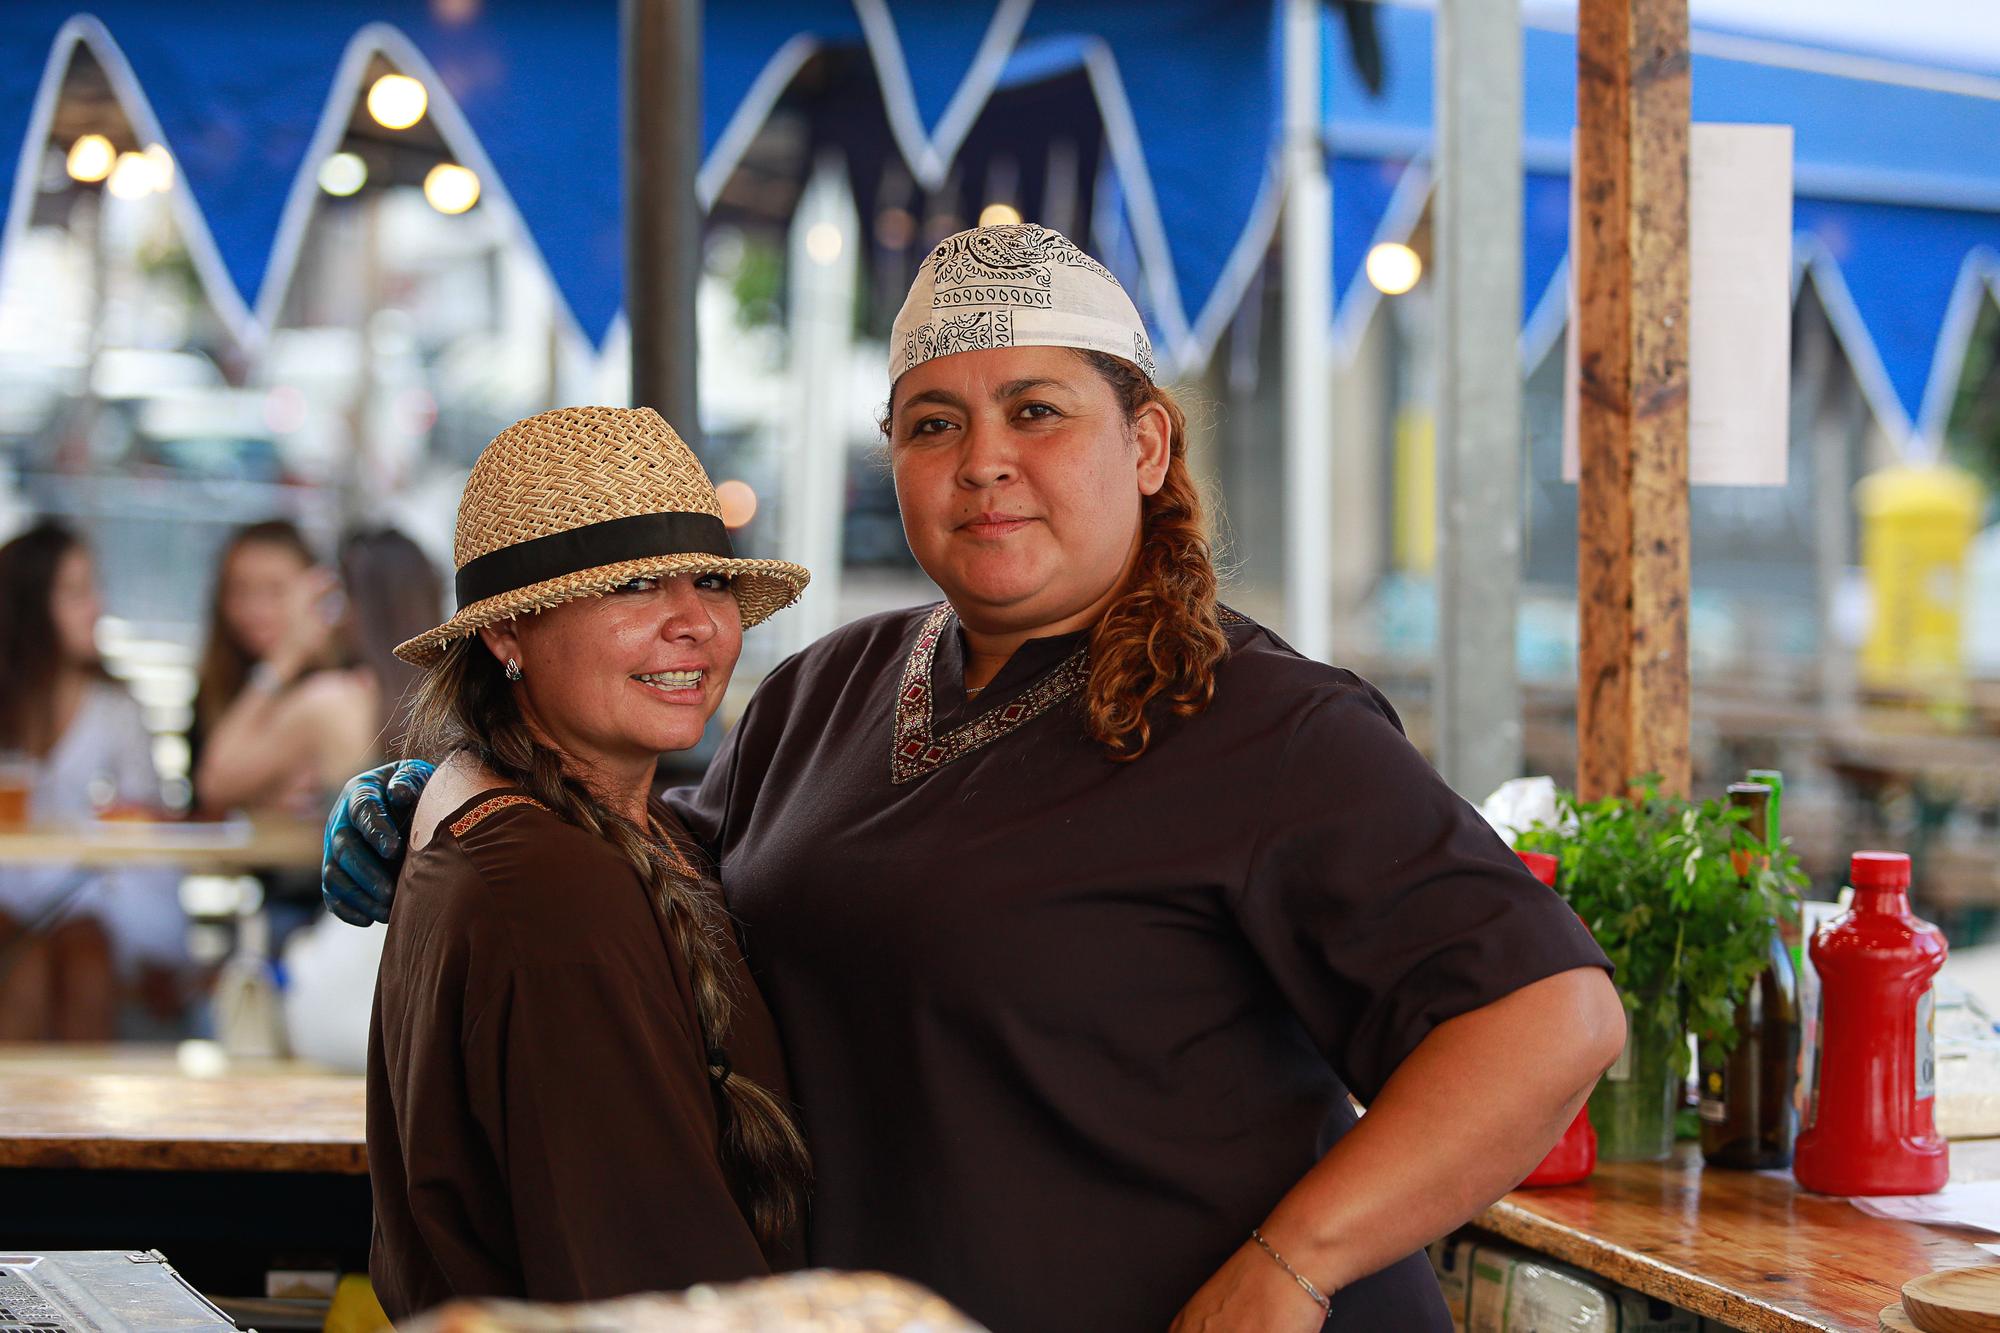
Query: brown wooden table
(132,1108)
(230,848)
(1749,1250)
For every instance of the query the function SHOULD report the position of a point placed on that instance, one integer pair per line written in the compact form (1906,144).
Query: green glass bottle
(1748,1117)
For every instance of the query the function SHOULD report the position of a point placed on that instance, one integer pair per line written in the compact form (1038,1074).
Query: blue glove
(363,850)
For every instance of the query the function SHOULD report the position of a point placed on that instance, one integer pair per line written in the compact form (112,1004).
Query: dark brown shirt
(1063,1029)
(540,1120)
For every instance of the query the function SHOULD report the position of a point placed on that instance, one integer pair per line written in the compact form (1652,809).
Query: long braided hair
(465,705)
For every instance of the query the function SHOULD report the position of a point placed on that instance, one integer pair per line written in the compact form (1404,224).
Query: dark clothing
(540,1118)
(1063,1029)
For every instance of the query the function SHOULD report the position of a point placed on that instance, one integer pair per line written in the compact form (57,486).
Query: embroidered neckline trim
(465,822)
(915,752)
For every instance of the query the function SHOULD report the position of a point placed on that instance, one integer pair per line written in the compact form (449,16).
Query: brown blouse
(1063,1029)
(540,1118)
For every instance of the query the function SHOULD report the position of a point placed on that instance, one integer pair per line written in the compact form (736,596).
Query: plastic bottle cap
(1880,870)
(1541,865)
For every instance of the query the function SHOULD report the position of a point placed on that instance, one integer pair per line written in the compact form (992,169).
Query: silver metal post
(1477,263)
(825,256)
(1308,324)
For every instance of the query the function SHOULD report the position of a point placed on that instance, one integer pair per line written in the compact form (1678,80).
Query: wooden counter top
(1747,1249)
(230,848)
(105,1113)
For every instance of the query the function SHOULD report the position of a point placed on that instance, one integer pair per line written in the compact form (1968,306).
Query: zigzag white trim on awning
(1187,335)
(930,153)
(459,137)
(1188,322)
(86,31)
(1920,437)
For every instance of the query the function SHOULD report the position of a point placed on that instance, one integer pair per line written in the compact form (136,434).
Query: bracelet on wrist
(1305,1283)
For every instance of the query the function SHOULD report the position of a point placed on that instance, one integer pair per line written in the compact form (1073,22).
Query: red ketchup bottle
(1870,1125)
(1575,1155)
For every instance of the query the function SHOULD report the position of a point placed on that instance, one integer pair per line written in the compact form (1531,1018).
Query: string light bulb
(343,174)
(1394,268)
(450,188)
(999,215)
(823,242)
(397,101)
(90,159)
(132,177)
(162,163)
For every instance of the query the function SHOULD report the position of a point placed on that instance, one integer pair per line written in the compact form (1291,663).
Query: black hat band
(612,542)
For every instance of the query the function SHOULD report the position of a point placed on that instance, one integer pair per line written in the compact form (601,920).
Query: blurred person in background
(278,717)
(298,683)
(393,594)
(72,940)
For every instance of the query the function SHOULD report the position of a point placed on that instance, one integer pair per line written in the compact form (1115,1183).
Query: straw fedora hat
(574,502)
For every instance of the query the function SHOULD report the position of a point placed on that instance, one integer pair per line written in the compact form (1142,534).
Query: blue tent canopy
(527,93)
(1899,189)
(1897,182)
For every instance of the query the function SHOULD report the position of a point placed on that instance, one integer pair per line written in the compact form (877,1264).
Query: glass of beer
(17,779)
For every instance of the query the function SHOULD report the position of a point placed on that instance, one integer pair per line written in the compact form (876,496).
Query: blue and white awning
(249,99)
(1896,171)
(1898,180)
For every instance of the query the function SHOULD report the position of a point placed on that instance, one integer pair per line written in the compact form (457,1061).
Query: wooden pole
(661,49)
(1630,258)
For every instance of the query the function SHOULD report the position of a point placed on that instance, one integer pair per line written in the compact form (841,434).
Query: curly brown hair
(1162,638)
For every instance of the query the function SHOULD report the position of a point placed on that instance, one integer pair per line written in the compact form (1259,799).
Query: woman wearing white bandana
(1083,903)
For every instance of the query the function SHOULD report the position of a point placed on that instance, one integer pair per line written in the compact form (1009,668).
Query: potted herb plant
(1653,878)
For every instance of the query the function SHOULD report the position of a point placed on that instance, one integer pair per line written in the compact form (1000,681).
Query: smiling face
(1020,483)
(615,681)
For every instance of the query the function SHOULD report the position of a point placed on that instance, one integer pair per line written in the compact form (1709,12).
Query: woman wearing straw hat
(1083,903)
(574,1090)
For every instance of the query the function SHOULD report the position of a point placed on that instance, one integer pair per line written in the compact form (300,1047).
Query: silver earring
(513,669)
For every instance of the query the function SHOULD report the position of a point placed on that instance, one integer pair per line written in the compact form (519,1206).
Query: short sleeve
(598,1111)
(1381,902)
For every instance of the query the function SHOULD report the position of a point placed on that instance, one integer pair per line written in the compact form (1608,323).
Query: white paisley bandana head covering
(1015,286)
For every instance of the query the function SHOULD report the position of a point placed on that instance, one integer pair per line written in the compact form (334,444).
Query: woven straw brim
(762,588)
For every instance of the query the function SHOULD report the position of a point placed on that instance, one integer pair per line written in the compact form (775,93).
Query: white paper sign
(1960,1204)
(1739,308)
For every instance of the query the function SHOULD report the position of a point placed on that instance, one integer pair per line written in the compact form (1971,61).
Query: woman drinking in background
(278,722)
(69,936)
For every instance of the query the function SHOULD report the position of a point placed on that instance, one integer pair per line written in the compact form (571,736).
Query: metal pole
(825,271)
(1477,258)
(1308,316)
(1834,429)
(661,48)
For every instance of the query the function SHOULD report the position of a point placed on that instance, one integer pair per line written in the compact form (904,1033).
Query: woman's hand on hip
(1250,1294)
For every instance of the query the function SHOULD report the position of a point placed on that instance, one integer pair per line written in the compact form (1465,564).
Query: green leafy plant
(1681,898)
